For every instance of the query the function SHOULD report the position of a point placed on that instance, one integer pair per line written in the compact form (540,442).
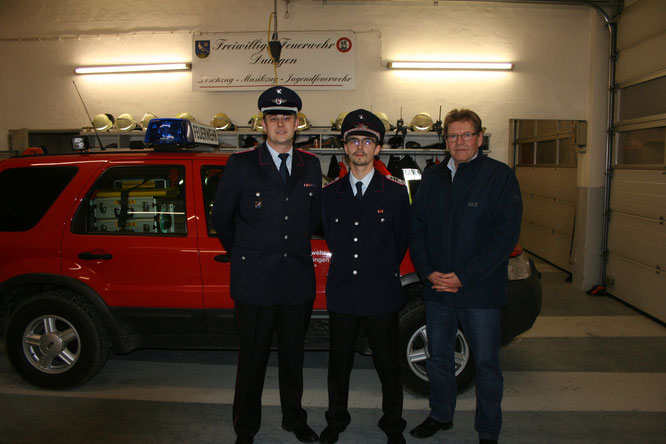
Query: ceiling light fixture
(114,69)
(465,66)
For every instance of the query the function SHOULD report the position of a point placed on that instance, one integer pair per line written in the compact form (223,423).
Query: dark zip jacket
(468,226)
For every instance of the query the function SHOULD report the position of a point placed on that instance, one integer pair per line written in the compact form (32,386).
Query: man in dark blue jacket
(367,226)
(465,222)
(266,207)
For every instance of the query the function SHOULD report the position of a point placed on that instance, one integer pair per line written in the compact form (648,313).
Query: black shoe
(487,441)
(395,438)
(303,433)
(244,440)
(429,427)
(329,435)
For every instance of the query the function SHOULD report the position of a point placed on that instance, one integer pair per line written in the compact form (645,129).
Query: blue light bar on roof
(174,134)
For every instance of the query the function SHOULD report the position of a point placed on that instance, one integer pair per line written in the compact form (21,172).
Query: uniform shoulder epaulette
(395,179)
(306,152)
(331,182)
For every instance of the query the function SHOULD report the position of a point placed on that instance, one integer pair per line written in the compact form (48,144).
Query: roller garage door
(636,259)
(546,171)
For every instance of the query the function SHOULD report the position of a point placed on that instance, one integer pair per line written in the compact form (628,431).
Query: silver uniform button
(336,220)
(355,255)
(242,258)
(285,255)
(356,239)
(286,198)
(258,194)
(354,272)
(286,236)
(311,193)
(356,223)
(286,218)
(382,219)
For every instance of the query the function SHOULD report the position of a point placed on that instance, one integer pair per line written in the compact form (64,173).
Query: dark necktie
(359,191)
(284,171)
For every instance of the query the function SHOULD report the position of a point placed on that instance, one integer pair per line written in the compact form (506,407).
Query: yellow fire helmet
(187,116)
(337,123)
(303,122)
(256,123)
(125,122)
(103,122)
(384,118)
(145,120)
(421,122)
(221,122)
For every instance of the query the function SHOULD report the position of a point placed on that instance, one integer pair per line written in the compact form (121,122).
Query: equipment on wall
(222,122)
(145,120)
(103,122)
(187,116)
(337,123)
(384,118)
(421,122)
(256,123)
(126,122)
(303,122)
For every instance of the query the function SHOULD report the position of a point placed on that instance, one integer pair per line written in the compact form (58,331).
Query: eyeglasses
(284,118)
(465,136)
(364,142)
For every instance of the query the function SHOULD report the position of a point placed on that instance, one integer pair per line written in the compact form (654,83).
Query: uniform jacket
(266,226)
(368,241)
(468,226)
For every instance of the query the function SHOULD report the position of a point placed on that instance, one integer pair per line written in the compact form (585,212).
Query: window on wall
(544,142)
(640,139)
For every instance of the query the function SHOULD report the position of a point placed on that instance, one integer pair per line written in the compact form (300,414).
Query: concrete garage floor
(590,370)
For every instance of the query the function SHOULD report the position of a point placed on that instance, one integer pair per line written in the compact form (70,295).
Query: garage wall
(42,41)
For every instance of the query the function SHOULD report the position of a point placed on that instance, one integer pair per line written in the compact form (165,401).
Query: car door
(215,268)
(132,240)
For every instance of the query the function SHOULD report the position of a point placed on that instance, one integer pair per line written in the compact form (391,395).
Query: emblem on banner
(202,48)
(343,44)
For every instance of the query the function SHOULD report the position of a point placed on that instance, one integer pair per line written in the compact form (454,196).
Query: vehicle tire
(56,340)
(414,352)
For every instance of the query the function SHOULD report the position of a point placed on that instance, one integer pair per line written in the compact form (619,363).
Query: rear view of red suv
(115,250)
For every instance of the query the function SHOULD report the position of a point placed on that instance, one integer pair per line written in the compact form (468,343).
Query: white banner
(240,61)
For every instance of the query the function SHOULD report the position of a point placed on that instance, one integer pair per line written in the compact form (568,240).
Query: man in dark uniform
(367,226)
(266,207)
(466,221)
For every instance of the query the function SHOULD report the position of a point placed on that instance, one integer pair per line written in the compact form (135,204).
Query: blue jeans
(482,330)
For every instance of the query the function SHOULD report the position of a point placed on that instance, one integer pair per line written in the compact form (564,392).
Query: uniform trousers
(257,324)
(383,333)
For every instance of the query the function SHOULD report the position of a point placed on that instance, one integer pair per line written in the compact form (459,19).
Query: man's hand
(444,281)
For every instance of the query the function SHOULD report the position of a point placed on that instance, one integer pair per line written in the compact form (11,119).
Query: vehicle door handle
(88,256)
(223,258)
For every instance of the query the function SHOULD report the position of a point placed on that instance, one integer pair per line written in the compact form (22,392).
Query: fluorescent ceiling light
(133,68)
(470,66)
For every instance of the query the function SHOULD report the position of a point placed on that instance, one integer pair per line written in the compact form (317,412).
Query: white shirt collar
(366,181)
(277,160)
(452,165)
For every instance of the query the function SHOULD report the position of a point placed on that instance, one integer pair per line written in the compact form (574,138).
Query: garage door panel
(638,239)
(558,183)
(552,247)
(639,192)
(637,285)
(558,216)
